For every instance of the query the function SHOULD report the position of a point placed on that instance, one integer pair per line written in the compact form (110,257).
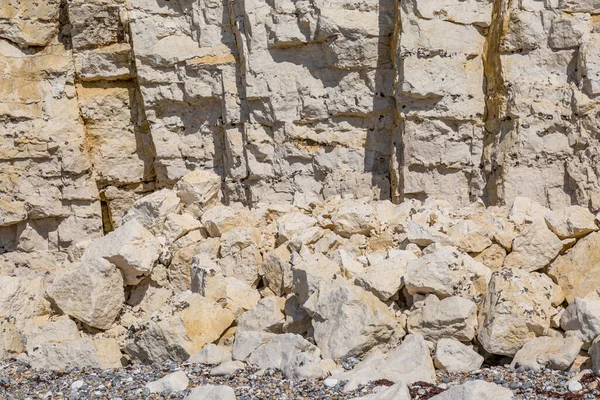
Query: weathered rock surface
(348,320)
(475,390)
(58,345)
(446,272)
(408,363)
(211,392)
(91,292)
(453,356)
(452,318)
(577,271)
(547,352)
(582,319)
(179,330)
(131,247)
(174,382)
(292,354)
(516,309)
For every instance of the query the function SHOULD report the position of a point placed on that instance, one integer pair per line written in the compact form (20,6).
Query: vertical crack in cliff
(86,89)
(497,123)
(240,75)
(395,165)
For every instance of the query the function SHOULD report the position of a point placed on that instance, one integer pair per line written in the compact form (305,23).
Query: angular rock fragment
(348,320)
(174,382)
(152,210)
(179,330)
(92,292)
(535,248)
(292,354)
(211,392)
(57,346)
(547,352)
(131,247)
(210,354)
(446,272)
(267,316)
(198,187)
(385,278)
(455,357)
(452,318)
(578,271)
(571,222)
(582,319)
(408,363)
(10,340)
(475,390)
(516,309)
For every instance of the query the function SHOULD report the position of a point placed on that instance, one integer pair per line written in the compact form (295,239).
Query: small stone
(330,382)
(574,386)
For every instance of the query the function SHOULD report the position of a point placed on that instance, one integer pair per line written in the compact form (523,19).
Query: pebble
(575,386)
(19,381)
(330,382)
(77,385)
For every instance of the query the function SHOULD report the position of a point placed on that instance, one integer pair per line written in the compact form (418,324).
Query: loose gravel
(19,381)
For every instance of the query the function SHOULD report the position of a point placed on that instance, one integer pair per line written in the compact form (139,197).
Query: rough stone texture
(10,340)
(516,309)
(446,272)
(131,247)
(179,330)
(475,390)
(452,317)
(58,346)
(582,319)
(211,392)
(292,354)
(453,357)
(547,352)
(174,382)
(348,320)
(577,271)
(91,292)
(408,363)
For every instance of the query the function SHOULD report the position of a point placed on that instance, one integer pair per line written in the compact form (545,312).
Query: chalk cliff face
(104,101)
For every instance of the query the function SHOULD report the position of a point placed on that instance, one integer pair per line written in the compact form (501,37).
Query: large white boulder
(547,352)
(446,272)
(152,210)
(179,329)
(534,248)
(92,292)
(516,309)
(578,271)
(348,320)
(385,278)
(408,363)
(198,187)
(57,346)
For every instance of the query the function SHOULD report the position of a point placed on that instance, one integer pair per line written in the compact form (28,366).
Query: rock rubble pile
(300,287)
